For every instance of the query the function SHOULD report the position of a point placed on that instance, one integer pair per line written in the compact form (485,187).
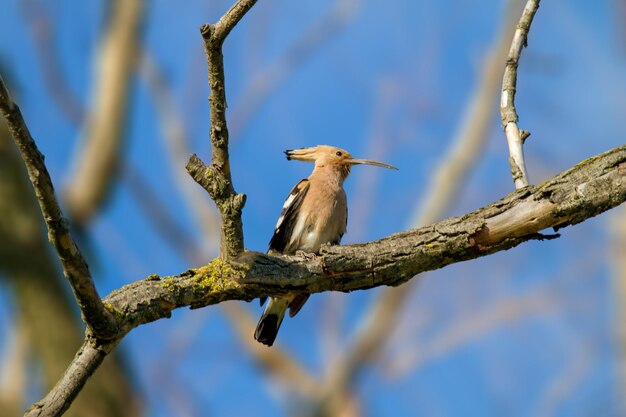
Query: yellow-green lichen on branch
(217,275)
(208,284)
(117,313)
(171,285)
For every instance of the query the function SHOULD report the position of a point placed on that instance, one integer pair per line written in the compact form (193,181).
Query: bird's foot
(306,255)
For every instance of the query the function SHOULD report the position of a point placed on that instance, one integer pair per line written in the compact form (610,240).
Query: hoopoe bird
(315,213)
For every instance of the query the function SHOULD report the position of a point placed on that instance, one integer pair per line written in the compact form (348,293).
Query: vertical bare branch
(514,136)
(74,265)
(216,178)
(97,159)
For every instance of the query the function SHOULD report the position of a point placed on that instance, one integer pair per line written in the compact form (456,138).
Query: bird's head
(324,155)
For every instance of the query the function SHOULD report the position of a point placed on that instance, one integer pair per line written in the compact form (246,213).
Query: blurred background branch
(97,159)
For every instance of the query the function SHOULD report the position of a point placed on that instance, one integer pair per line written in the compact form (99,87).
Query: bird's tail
(270,321)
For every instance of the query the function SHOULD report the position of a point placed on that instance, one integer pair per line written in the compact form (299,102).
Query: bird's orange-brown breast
(323,214)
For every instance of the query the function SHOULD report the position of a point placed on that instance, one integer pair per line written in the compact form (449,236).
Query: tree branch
(591,187)
(229,20)
(87,360)
(216,178)
(99,320)
(514,136)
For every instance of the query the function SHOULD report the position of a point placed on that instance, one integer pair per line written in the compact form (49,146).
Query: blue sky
(391,83)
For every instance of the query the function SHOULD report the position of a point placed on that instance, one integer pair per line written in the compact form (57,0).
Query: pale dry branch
(514,136)
(96,161)
(75,268)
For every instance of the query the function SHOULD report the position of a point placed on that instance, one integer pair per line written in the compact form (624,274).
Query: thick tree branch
(216,178)
(101,322)
(514,136)
(590,188)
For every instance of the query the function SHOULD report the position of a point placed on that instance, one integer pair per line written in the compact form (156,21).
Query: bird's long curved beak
(370,162)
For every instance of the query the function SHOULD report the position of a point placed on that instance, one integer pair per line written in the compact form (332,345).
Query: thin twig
(228,21)
(74,265)
(514,136)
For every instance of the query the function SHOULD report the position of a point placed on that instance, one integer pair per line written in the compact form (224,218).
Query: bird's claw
(306,255)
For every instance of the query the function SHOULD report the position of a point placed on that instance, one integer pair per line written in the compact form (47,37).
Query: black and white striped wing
(288,216)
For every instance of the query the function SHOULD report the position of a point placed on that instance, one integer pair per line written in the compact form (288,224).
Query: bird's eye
(338,153)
